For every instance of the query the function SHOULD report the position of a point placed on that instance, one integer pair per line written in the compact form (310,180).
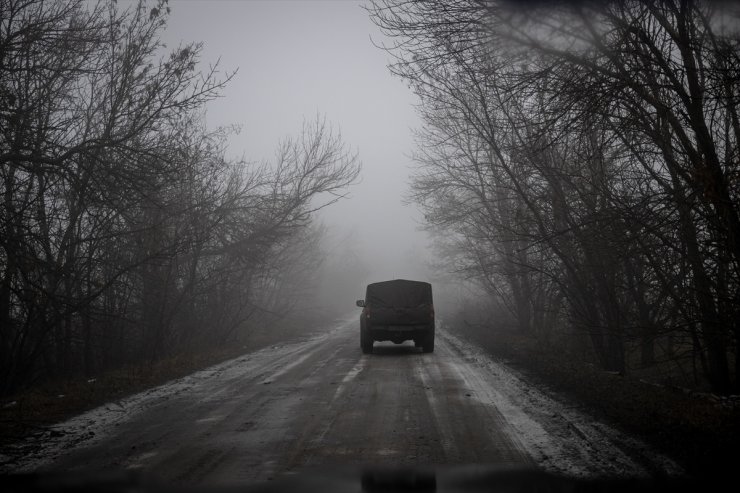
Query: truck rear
(397,311)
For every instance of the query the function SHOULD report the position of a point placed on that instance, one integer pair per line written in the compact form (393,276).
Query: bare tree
(612,124)
(125,233)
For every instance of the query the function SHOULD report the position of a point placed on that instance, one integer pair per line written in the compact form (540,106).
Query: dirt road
(321,401)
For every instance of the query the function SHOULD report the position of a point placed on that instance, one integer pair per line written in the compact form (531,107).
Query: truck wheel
(428,343)
(366,342)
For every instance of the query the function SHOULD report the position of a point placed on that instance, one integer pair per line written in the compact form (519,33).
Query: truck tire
(366,342)
(428,343)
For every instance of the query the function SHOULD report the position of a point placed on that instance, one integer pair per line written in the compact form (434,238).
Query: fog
(211,185)
(297,60)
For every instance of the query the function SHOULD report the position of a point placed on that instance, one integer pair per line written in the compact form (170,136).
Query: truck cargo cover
(399,293)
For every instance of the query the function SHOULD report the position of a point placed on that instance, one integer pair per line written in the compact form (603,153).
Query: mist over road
(321,401)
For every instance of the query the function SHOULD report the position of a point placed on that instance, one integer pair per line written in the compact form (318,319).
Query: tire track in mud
(462,417)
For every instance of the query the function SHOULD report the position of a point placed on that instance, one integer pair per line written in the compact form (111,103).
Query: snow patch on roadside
(558,437)
(41,449)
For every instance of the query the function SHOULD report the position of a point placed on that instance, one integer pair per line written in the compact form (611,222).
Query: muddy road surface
(320,402)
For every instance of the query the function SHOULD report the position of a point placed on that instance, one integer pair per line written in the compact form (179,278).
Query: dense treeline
(581,161)
(125,233)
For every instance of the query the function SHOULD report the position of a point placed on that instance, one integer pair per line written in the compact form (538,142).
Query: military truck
(398,310)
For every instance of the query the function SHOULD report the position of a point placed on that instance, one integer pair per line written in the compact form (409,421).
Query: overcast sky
(299,58)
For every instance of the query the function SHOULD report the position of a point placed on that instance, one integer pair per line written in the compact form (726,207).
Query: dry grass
(57,400)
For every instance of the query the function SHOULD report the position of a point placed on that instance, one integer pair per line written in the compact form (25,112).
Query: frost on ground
(558,437)
(42,448)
